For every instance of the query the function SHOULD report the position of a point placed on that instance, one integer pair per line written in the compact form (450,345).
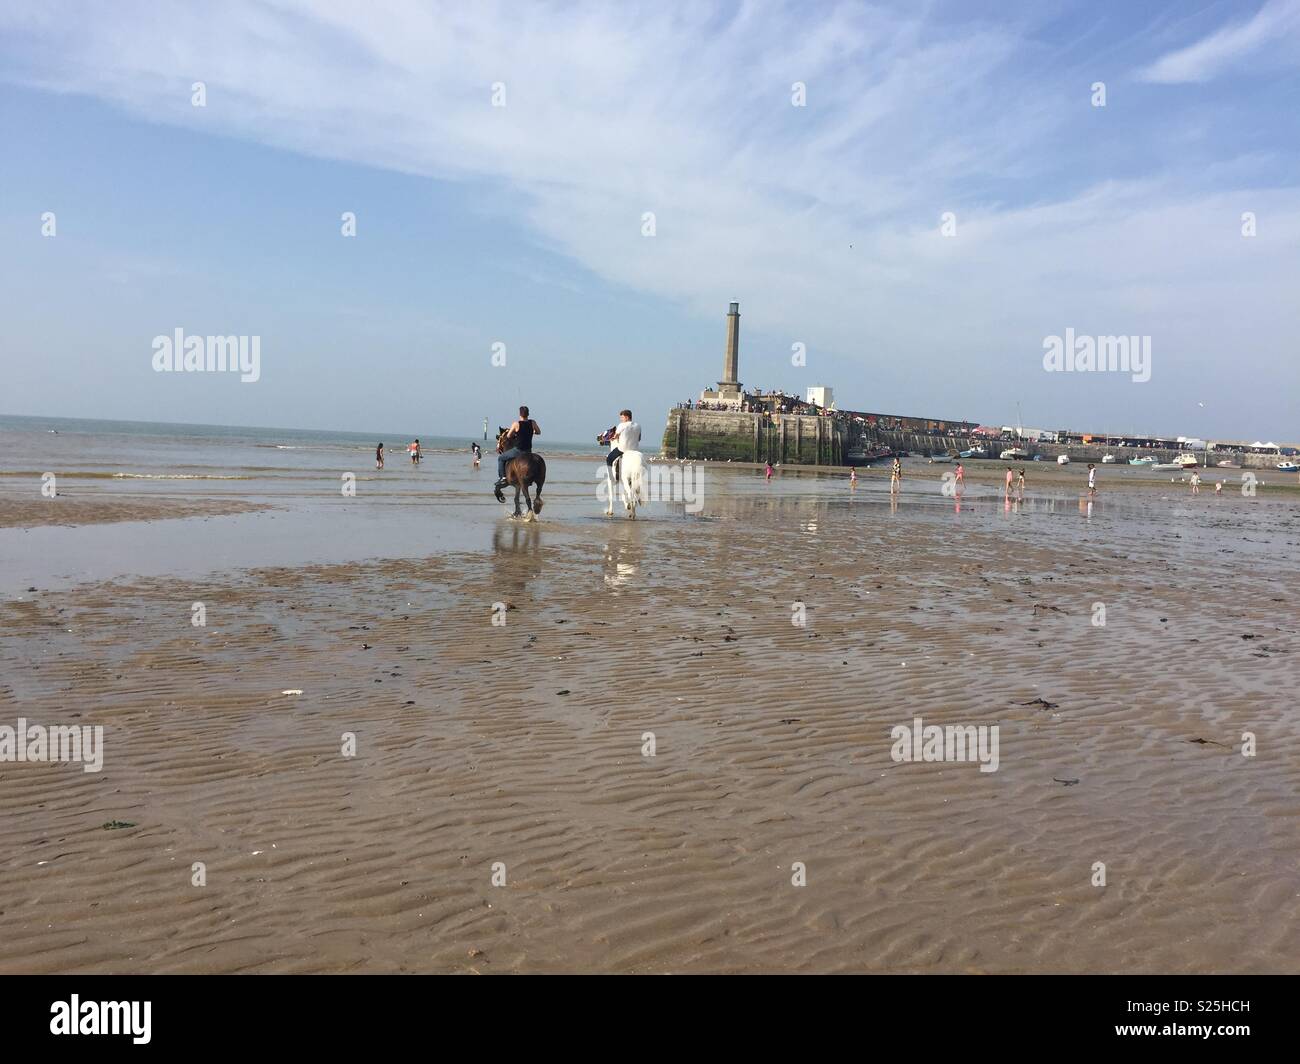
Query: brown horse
(522,472)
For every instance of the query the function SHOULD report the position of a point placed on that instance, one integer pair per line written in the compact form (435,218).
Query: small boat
(1288,467)
(1012,454)
(1186,461)
(1062,459)
(1165,467)
(940,458)
(1226,465)
(1109,459)
(1148,461)
(974,452)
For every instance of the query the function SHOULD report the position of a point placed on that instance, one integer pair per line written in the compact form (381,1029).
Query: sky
(919,194)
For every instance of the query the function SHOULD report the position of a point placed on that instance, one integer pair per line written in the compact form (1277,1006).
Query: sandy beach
(103,510)
(523,744)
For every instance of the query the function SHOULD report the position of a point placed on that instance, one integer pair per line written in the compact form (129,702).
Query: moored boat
(860,456)
(1062,459)
(1147,461)
(1012,454)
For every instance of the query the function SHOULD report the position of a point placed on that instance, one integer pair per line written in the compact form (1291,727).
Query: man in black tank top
(520,437)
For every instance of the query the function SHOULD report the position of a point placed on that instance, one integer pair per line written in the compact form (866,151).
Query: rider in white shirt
(625,436)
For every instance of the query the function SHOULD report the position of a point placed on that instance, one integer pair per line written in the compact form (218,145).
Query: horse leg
(629,480)
(517,514)
(529,516)
(609,489)
(622,484)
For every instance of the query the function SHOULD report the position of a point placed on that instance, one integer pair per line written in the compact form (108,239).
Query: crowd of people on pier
(776,403)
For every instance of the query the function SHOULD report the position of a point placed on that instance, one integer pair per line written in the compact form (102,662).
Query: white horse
(631,482)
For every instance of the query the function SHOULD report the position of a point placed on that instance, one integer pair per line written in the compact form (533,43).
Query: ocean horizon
(266,434)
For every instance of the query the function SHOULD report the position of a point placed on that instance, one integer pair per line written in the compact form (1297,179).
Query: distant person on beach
(379,457)
(1010,474)
(1218,488)
(895,477)
(414,451)
(1092,479)
(853,476)
(769,470)
(961,476)
(1196,483)
(1020,483)
(520,437)
(478,452)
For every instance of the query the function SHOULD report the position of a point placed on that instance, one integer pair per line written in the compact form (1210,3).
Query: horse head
(501,438)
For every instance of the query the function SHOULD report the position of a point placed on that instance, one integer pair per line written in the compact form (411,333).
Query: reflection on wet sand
(516,554)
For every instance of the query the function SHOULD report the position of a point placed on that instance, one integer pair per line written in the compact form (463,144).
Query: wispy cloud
(1274,27)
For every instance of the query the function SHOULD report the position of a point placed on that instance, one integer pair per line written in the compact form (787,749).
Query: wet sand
(99,509)
(522,744)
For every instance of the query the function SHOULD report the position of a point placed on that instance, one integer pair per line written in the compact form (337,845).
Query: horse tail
(633,476)
(539,479)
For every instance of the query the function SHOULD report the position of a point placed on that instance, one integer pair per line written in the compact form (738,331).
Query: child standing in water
(896,477)
(379,457)
(1009,474)
(961,476)
(853,476)
(1020,484)
(770,471)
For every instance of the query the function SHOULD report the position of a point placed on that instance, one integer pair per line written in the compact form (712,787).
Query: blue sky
(523,224)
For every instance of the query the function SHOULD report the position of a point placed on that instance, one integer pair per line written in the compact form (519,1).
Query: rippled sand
(522,744)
